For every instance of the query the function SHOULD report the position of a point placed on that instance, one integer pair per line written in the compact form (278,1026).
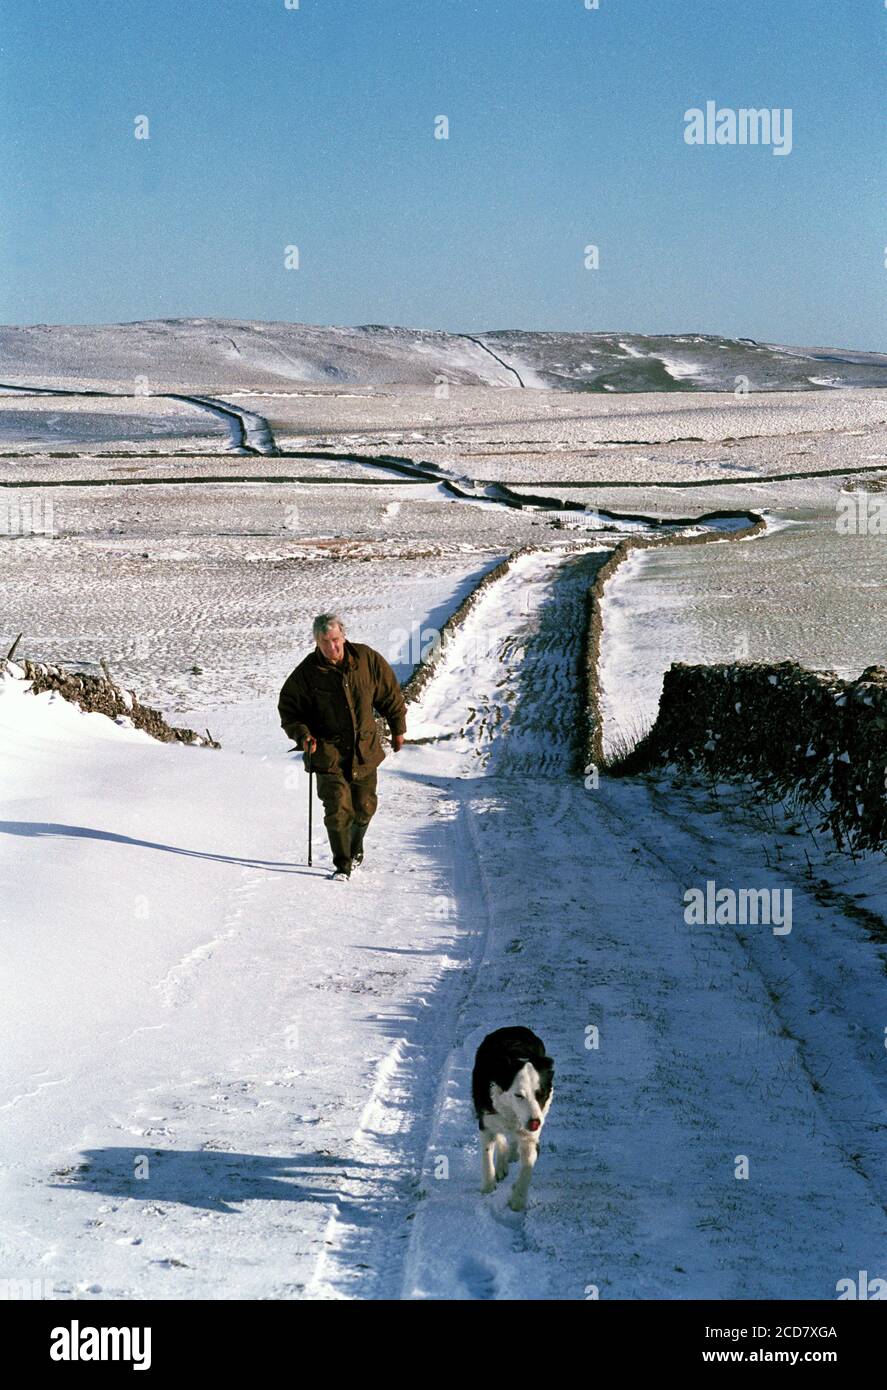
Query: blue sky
(314,127)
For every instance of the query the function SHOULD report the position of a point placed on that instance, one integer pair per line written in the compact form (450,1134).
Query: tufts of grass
(623,746)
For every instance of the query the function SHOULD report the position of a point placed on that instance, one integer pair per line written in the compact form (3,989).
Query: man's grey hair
(324,621)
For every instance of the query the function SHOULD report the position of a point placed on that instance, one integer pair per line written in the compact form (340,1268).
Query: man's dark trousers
(346,803)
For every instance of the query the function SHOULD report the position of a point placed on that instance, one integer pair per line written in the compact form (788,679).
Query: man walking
(326,708)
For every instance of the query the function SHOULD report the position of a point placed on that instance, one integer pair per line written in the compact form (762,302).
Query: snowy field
(226,1076)
(801,592)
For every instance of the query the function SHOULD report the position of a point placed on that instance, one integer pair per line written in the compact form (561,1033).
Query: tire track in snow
(364,1252)
(851,1101)
(496,1256)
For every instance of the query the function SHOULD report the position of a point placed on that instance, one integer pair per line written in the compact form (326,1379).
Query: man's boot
(358,830)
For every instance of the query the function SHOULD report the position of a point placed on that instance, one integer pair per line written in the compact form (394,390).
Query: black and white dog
(511,1087)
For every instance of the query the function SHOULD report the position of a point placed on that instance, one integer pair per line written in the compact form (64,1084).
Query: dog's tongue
(533,1124)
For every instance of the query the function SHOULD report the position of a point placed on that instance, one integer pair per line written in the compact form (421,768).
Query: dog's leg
(502,1157)
(529,1152)
(487,1170)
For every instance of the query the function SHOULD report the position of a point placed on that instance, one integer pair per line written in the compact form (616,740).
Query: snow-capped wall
(794,732)
(98,695)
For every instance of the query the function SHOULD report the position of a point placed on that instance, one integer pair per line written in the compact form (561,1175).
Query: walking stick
(310,801)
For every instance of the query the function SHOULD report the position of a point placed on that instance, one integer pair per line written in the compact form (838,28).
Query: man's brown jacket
(335,705)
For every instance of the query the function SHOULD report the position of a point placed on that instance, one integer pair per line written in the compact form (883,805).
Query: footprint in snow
(479,1279)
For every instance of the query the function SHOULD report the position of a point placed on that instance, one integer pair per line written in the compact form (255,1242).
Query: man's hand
(397,742)
(309,744)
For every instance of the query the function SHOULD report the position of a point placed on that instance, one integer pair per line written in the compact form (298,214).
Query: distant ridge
(233,354)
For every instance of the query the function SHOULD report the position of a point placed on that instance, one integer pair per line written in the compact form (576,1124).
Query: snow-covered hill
(236,354)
